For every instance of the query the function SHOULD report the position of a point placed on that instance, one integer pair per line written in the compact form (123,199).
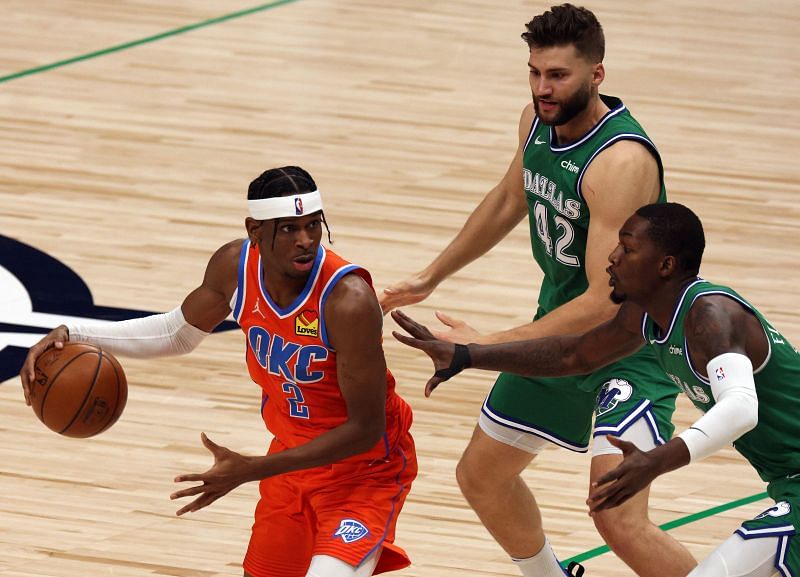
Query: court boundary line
(597,551)
(146,40)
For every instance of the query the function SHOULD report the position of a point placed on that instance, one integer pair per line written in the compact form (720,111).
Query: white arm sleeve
(154,336)
(735,411)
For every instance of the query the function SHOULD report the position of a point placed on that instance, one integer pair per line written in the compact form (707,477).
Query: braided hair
(284,181)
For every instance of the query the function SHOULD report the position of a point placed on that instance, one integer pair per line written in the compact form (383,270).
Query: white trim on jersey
(664,339)
(700,377)
(609,115)
(530,134)
(613,140)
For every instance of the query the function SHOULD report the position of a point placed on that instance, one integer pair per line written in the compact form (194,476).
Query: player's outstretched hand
(55,338)
(230,470)
(407,292)
(448,359)
(637,471)
(458,330)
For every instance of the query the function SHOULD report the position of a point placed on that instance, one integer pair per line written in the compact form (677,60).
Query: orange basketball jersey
(290,357)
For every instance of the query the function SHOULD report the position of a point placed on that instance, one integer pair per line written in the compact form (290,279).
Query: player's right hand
(55,338)
(407,292)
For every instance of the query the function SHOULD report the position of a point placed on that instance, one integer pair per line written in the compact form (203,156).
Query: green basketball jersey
(773,446)
(557,212)
(559,216)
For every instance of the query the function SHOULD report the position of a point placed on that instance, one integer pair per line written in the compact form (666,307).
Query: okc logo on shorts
(351,530)
(612,393)
(780,509)
(298,206)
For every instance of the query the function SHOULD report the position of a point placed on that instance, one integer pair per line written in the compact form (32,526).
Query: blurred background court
(128,161)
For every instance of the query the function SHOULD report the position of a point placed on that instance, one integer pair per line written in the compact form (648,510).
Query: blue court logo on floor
(351,530)
(39,293)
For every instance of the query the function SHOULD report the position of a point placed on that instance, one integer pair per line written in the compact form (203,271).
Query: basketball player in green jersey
(583,164)
(730,361)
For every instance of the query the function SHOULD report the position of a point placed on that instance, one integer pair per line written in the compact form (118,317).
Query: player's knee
(620,525)
(468,480)
(473,478)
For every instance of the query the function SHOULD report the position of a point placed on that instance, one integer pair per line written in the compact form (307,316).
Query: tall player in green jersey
(731,362)
(583,163)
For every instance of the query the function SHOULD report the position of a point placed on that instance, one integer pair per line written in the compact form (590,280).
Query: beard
(569,109)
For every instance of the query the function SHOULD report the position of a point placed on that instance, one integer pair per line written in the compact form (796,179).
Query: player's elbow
(742,411)
(576,363)
(749,414)
(368,431)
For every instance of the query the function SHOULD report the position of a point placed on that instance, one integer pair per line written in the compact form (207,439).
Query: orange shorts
(347,511)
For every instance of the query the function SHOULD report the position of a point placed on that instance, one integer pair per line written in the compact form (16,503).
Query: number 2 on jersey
(563,242)
(296,400)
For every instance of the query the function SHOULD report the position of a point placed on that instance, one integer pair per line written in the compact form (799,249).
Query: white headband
(285,206)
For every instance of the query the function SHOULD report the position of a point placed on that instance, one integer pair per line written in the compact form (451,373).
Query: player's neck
(661,306)
(282,288)
(583,122)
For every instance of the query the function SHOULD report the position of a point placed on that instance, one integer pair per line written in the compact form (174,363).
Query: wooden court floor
(130,167)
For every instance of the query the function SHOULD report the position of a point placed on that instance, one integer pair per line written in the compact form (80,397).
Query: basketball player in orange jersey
(342,460)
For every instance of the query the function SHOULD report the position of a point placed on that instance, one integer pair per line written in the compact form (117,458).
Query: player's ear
(669,266)
(254,229)
(598,74)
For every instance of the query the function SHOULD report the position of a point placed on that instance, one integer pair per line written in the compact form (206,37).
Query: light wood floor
(132,167)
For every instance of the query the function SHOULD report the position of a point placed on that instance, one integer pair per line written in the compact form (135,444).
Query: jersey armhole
(534,125)
(648,144)
(335,278)
(237,300)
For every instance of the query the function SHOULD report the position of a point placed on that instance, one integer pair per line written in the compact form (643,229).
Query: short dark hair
(282,181)
(677,231)
(568,24)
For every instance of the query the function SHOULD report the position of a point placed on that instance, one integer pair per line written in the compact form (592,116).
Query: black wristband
(461,360)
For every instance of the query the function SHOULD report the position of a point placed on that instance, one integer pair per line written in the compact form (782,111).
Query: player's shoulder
(527,115)
(528,112)
(625,152)
(353,286)
(526,118)
(352,297)
(226,258)
(713,318)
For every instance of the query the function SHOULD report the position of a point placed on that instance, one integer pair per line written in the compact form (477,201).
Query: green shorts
(560,409)
(781,521)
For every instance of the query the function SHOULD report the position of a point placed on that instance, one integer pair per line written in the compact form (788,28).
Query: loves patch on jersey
(306,324)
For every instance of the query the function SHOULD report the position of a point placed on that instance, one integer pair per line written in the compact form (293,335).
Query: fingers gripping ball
(78,391)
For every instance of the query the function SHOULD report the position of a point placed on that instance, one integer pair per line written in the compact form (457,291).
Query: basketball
(78,391)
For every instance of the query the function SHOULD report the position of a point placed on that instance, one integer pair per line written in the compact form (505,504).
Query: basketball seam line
(55,377)
(88,393)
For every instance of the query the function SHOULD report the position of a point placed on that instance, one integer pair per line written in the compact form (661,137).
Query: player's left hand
(230,470)
(637,471)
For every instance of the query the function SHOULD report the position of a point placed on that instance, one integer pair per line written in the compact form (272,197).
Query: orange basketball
(78,391)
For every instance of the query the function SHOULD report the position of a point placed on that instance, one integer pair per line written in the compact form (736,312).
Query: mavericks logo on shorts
(351,530)
(612,393)
(780,509)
